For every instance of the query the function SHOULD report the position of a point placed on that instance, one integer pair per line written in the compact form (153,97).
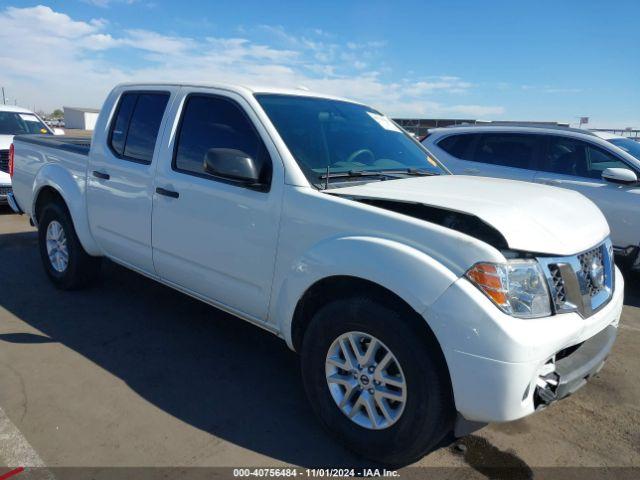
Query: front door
(216,238)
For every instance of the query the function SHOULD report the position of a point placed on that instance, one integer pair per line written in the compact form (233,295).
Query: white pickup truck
(421,303)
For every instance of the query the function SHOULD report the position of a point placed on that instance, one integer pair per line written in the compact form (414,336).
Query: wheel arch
(54,184)
(333,287)
(407,273)
(343,286)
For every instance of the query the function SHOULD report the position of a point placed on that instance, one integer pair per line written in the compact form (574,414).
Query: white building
(80,118)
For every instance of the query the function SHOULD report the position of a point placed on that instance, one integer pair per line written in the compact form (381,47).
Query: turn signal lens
(490,280)
(517,287)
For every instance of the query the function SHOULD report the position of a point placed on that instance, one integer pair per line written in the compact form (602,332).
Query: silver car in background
(605,172)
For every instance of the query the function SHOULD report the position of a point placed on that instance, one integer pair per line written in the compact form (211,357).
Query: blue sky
(536,60)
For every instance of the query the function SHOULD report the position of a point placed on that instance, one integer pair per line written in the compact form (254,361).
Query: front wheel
(377,379)
(65,261)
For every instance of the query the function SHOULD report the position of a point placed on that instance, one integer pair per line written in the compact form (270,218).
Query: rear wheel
(65,261)
(376,380)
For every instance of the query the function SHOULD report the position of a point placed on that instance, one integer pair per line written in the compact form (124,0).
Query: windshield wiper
(377,173)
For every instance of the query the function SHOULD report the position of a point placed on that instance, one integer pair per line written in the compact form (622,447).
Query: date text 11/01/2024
(314,472)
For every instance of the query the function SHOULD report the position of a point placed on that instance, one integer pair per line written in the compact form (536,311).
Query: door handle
(102,175)
(167,193)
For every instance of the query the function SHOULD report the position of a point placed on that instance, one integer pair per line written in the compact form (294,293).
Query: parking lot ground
(132,373)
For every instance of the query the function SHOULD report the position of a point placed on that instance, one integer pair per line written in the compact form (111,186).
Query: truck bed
(78,145)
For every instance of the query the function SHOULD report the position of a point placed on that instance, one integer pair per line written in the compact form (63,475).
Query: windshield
(630,146)
(18,123)
(343,136)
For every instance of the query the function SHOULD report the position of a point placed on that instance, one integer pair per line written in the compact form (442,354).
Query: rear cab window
(134,129)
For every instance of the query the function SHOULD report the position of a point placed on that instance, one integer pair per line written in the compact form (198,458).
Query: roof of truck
(251,89)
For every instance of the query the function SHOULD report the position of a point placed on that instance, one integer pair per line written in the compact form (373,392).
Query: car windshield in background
(18,123)
(346,137)
(630,146)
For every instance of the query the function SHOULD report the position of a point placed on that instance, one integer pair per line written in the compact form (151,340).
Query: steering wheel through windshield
(362,153)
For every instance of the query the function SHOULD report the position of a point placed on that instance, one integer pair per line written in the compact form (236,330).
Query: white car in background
(16,121)
(604,170)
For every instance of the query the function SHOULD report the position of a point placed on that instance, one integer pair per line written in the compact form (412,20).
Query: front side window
(507,149)
(213,122)
(342,137)
(568,156)
(18,123)
(134,130)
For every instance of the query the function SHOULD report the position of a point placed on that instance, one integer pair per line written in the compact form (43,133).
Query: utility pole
(4,101)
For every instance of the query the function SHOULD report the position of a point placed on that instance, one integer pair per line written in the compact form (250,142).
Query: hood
(530,217)
(5,141)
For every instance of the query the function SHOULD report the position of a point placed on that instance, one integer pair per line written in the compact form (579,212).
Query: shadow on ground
(202,366)
(632,290)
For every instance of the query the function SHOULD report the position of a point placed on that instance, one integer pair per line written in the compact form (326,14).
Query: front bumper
(573,370)
(500,366)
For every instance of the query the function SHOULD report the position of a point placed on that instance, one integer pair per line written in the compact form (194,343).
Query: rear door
(578,165)
(121,174)
(213,237)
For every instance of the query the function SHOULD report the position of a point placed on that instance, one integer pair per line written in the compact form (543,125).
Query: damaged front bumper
(571,368)
(503,368)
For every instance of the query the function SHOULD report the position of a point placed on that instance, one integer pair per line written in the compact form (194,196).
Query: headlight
(517,287)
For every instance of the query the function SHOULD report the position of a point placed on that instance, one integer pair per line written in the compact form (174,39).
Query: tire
(81,269)
(428,413)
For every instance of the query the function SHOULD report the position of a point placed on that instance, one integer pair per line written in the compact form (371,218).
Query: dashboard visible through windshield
(344,138)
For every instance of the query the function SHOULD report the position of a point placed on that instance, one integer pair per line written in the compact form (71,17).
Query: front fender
(409,273)
(72,191)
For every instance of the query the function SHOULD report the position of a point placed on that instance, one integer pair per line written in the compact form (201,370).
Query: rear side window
(459,146)
(134,130)
(213,122)
(507,149)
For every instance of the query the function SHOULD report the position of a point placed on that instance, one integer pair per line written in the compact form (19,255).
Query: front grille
(4,161)
(560,296)
(588,260)
(582,282)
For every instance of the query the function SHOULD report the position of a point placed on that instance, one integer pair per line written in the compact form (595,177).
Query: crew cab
(420,302)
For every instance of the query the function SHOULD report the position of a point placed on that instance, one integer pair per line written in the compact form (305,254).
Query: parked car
(15,121)
(575,159)
(420,302)
(629,145)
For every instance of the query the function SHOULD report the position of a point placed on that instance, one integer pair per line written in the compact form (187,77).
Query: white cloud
(107,3)
(68,61)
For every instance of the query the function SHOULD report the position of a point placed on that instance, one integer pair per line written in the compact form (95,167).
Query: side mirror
(619,175)
(234,165)
(58,131)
